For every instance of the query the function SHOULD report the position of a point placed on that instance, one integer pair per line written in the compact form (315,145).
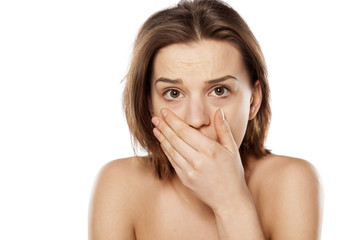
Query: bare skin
(211,196)
(129,200)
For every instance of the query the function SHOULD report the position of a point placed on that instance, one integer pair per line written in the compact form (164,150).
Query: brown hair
(191,21)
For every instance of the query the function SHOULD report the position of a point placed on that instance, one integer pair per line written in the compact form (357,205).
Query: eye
(172,94)
(220,91)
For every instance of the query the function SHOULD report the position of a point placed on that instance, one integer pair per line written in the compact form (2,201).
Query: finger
(175,158)
(224,132)
(188,134)
(177,168)
(187,151)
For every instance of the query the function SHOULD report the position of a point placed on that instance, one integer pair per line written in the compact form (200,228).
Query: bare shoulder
(125,176)
(132,169)
(276,168)
(288,192)
(116,199)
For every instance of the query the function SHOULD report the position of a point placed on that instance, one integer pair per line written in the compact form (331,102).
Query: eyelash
(227,92)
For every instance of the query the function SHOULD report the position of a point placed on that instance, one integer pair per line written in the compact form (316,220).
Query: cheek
(238,130)
(158,103)
(238,124)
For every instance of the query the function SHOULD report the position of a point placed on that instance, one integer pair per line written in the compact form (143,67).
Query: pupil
(174,93)
(219,91)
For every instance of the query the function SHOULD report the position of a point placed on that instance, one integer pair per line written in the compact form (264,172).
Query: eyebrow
(179,81)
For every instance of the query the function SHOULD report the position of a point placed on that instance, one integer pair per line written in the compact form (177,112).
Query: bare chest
(166,216)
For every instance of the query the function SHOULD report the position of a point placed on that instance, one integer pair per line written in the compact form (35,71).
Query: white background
(61,64)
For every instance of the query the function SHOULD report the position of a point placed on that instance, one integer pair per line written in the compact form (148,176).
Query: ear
(255,101)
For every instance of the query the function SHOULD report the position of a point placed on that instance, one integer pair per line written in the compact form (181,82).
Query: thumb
(224,132)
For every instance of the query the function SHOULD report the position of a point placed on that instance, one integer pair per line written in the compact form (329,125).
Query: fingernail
(156,132)
(164,112)
(155,121)
(222,114)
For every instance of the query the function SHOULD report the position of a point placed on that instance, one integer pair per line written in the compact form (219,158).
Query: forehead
(205,59)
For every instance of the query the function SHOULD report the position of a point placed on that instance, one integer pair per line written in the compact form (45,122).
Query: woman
(197,100)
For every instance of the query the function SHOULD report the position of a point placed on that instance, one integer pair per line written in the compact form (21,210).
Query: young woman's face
(194,80)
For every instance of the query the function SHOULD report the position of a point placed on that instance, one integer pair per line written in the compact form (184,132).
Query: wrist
(239,203)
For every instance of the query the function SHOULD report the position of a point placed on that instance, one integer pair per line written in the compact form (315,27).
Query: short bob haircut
(191,21)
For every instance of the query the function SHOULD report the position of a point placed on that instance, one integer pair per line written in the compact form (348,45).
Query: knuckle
(172,153)
(211,151)
(190,179)
(197,165)
(172,138)
(170,122)
(181,131)
(191,176)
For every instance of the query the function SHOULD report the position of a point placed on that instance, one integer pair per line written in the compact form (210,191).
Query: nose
(197,113)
